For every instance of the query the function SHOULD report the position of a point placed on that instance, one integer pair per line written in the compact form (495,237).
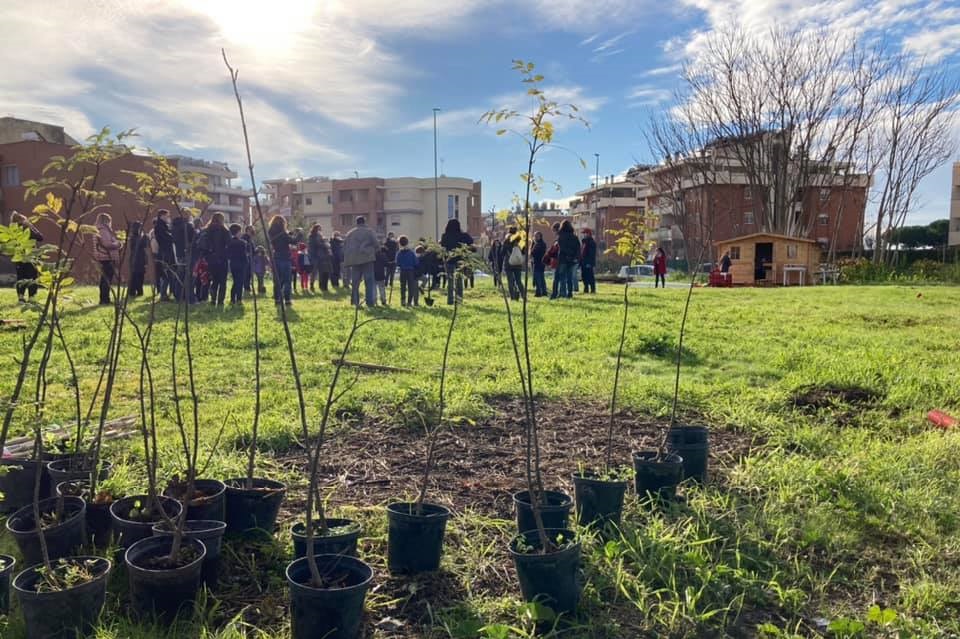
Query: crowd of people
(193,261)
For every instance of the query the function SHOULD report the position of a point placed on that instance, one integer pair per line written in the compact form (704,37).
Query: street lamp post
(436,187)
(596,202)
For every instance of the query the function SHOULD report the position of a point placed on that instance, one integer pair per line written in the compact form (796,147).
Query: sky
(332,87)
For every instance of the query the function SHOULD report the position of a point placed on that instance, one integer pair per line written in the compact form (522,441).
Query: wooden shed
(768,258)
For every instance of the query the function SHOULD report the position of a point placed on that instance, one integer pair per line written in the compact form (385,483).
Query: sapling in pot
(416,530)
(547,559)
(600,492)
(659,471)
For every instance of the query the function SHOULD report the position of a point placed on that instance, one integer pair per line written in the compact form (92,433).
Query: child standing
(260,268)
(407,262)
(237,257)
(304,266)
(380,273)
(201,279)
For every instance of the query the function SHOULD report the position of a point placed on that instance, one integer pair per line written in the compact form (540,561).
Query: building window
(747,193)
(823,219)
(346,196)
(309,201)
(453,207)
(329,199)
(791,251)
(473,200)
(362,196)
(824,195)
(346,221)
(10,176)
(734,252)
(823,242)
(748,217)
(394,220)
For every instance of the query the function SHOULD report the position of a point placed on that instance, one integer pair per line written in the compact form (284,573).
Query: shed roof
(774,235)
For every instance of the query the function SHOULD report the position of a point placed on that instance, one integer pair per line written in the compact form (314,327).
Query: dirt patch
(817,398)
(479,466)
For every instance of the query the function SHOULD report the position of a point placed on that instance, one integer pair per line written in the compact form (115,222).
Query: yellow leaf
(54,203)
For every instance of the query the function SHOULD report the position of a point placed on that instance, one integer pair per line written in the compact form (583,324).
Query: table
(792,268)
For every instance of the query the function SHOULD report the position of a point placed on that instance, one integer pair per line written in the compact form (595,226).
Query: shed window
(734,252)
(791,251)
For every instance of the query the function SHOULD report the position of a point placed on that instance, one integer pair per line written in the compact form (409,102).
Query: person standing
(139,246)
(166,262)
(239,264)
(280,242)
(495,258)
(336,261)
(660,268)
(392,248)
(588,261)
(106,251)
(513,258)
(26,272)
(184,238)
(568,254)
(322,258)
(359,255)
(380,273)
(407,262)
(454,239)
(537,255)
(250,237)
(551,260)
(259,268)
(216,244)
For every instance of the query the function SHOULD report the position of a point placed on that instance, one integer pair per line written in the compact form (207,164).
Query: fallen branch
(373,367)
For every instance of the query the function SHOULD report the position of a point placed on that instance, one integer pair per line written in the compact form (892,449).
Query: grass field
(840,498)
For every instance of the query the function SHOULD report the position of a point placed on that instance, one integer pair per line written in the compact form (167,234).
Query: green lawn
(834,510)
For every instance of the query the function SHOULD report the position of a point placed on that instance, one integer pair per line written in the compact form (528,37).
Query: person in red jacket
(660,268)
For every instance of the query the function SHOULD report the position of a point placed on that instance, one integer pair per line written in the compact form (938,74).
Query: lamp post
(436,187)
(596,202)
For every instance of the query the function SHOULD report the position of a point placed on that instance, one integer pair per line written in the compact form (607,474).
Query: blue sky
(336,86)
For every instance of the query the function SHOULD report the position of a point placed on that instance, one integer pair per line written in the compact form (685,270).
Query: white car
(635,272)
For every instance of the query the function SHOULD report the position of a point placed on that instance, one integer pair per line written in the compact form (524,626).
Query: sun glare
(265,26)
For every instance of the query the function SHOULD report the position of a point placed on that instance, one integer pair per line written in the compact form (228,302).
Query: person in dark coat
(238,258)
(454,239)
(429,267)
(495,258)
(166,264)
(588,261)
(26,272)
(139,245)
(393,247)
(567,257)
(217,241)
(280,242)
(537,255)
(336,254)
(550,260)
(320,258)
(407,262)
(380,263)
(250,237)
(184,237)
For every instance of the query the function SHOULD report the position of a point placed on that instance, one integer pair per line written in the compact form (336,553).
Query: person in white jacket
(359,254)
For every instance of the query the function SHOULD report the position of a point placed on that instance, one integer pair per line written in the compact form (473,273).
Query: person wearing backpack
(513,259)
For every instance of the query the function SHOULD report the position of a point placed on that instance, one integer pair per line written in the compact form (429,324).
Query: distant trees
(913,237)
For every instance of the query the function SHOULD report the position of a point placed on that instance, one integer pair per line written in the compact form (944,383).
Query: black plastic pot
(599,502)
(61,539)
(331,613)
(341,543)
(554,510)
(692,443)
(163,593)
(208,531)
(415,542)
(16,484)
(7,564)
(253,508)
(212,506)
(63,614)
(552,579)
(657,475)
(128,531)
(99,521)
(62,470)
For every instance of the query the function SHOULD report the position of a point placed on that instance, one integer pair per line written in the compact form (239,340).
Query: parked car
(635,272)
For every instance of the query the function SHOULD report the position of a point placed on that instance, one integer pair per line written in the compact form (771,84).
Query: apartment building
(404,206)
(603,206)
(232,201)
(954,237)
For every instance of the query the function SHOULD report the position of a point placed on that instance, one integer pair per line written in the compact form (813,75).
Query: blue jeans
(539,282)
(564,277)
(281,279)
(515,282)
(364,272)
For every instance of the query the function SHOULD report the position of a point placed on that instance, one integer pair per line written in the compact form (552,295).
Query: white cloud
(667,70)
(934,44)
(645,95)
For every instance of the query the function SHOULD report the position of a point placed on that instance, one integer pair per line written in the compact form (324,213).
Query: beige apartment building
(232,201)
(404,206)
(954,238)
